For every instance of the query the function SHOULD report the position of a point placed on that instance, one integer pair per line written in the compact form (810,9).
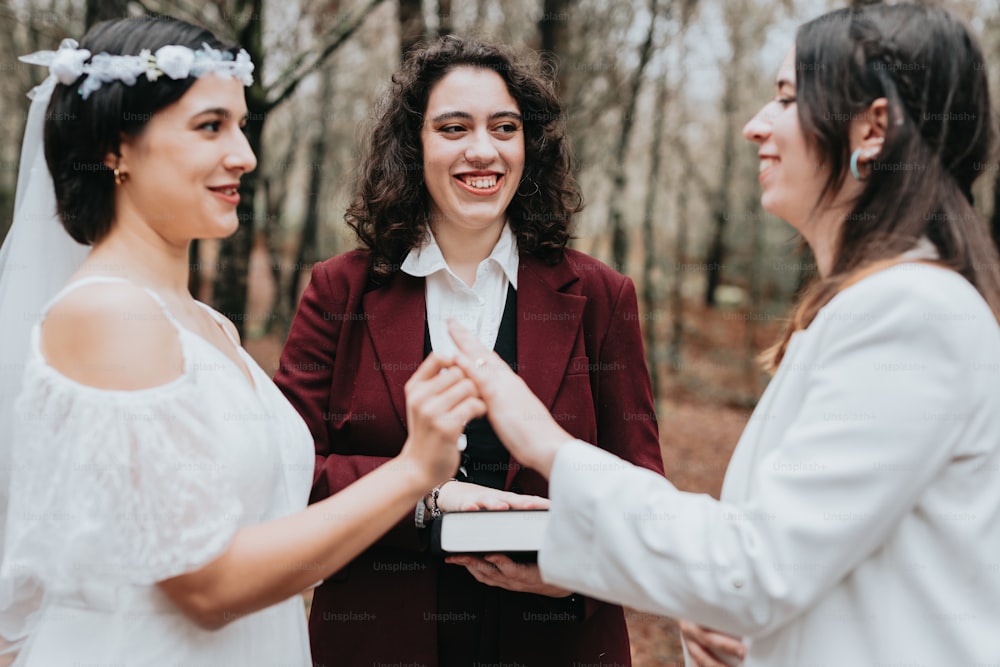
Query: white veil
(37,258)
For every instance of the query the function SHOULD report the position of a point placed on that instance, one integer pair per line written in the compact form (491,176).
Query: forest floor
(703,408)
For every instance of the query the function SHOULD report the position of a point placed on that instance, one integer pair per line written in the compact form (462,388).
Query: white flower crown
(176,62)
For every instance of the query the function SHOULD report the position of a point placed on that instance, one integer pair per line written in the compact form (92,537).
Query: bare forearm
(268,563)
(272,561)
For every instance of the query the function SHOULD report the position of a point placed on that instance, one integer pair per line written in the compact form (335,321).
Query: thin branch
(684,157)
(307,62)
(633,96)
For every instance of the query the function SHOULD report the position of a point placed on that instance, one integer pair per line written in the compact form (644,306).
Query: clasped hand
(446,393)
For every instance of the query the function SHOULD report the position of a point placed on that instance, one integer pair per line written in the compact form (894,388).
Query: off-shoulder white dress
(113,491)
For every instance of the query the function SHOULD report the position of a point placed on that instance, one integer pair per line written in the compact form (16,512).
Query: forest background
(655,94)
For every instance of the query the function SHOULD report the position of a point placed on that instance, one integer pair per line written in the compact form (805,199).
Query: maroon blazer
(349,354)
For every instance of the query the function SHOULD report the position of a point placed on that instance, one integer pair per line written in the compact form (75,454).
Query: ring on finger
(462,443)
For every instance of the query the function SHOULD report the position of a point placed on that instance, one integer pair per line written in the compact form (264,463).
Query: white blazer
(859,524)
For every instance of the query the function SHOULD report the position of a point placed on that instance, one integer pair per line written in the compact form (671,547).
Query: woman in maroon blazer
(462,210)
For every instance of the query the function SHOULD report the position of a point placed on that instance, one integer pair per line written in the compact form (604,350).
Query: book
(489,531)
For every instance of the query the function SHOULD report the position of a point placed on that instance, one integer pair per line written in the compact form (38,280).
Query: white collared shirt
(479,308)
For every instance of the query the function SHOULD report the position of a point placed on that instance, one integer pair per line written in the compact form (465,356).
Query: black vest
(485,459)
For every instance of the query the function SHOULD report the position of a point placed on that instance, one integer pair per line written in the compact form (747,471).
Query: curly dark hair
(80,132)
(390,206)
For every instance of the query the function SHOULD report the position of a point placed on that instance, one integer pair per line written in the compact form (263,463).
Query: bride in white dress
(158,479)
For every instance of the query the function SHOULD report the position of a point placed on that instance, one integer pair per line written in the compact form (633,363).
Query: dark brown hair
(929,67)
(390,205)
(80,132)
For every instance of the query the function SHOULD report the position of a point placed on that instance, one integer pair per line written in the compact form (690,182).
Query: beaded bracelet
(435,510)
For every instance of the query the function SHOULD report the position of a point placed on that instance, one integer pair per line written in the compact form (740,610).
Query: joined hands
(441,397)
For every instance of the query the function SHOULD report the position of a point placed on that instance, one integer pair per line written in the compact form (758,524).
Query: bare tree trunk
(553,29)
(194,267)
(650,286)
(745,20)
(553,39)
(676,285)
(306,254)
(720,211)
(619,237)
(687,177)
(275,194)
(229,294)
(103,10)
(230,291)
(445,25)
(411,24)
(234,252)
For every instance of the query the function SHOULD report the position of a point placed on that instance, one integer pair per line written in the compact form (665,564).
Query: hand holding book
(488,521)
(504,572)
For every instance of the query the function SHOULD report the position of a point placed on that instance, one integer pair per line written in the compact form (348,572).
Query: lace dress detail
(113,491)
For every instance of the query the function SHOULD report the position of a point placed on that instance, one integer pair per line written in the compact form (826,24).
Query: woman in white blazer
(859,522)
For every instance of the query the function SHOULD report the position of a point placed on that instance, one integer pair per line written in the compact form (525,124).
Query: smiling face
(473,146)
(183,170)
(790,173)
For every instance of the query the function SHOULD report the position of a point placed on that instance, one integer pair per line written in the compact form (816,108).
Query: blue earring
(854,164)
(870,153)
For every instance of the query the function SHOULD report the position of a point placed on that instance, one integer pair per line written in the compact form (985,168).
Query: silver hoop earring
(527,194)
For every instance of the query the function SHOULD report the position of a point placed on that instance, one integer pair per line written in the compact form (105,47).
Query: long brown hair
(929,66)
(389,209)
